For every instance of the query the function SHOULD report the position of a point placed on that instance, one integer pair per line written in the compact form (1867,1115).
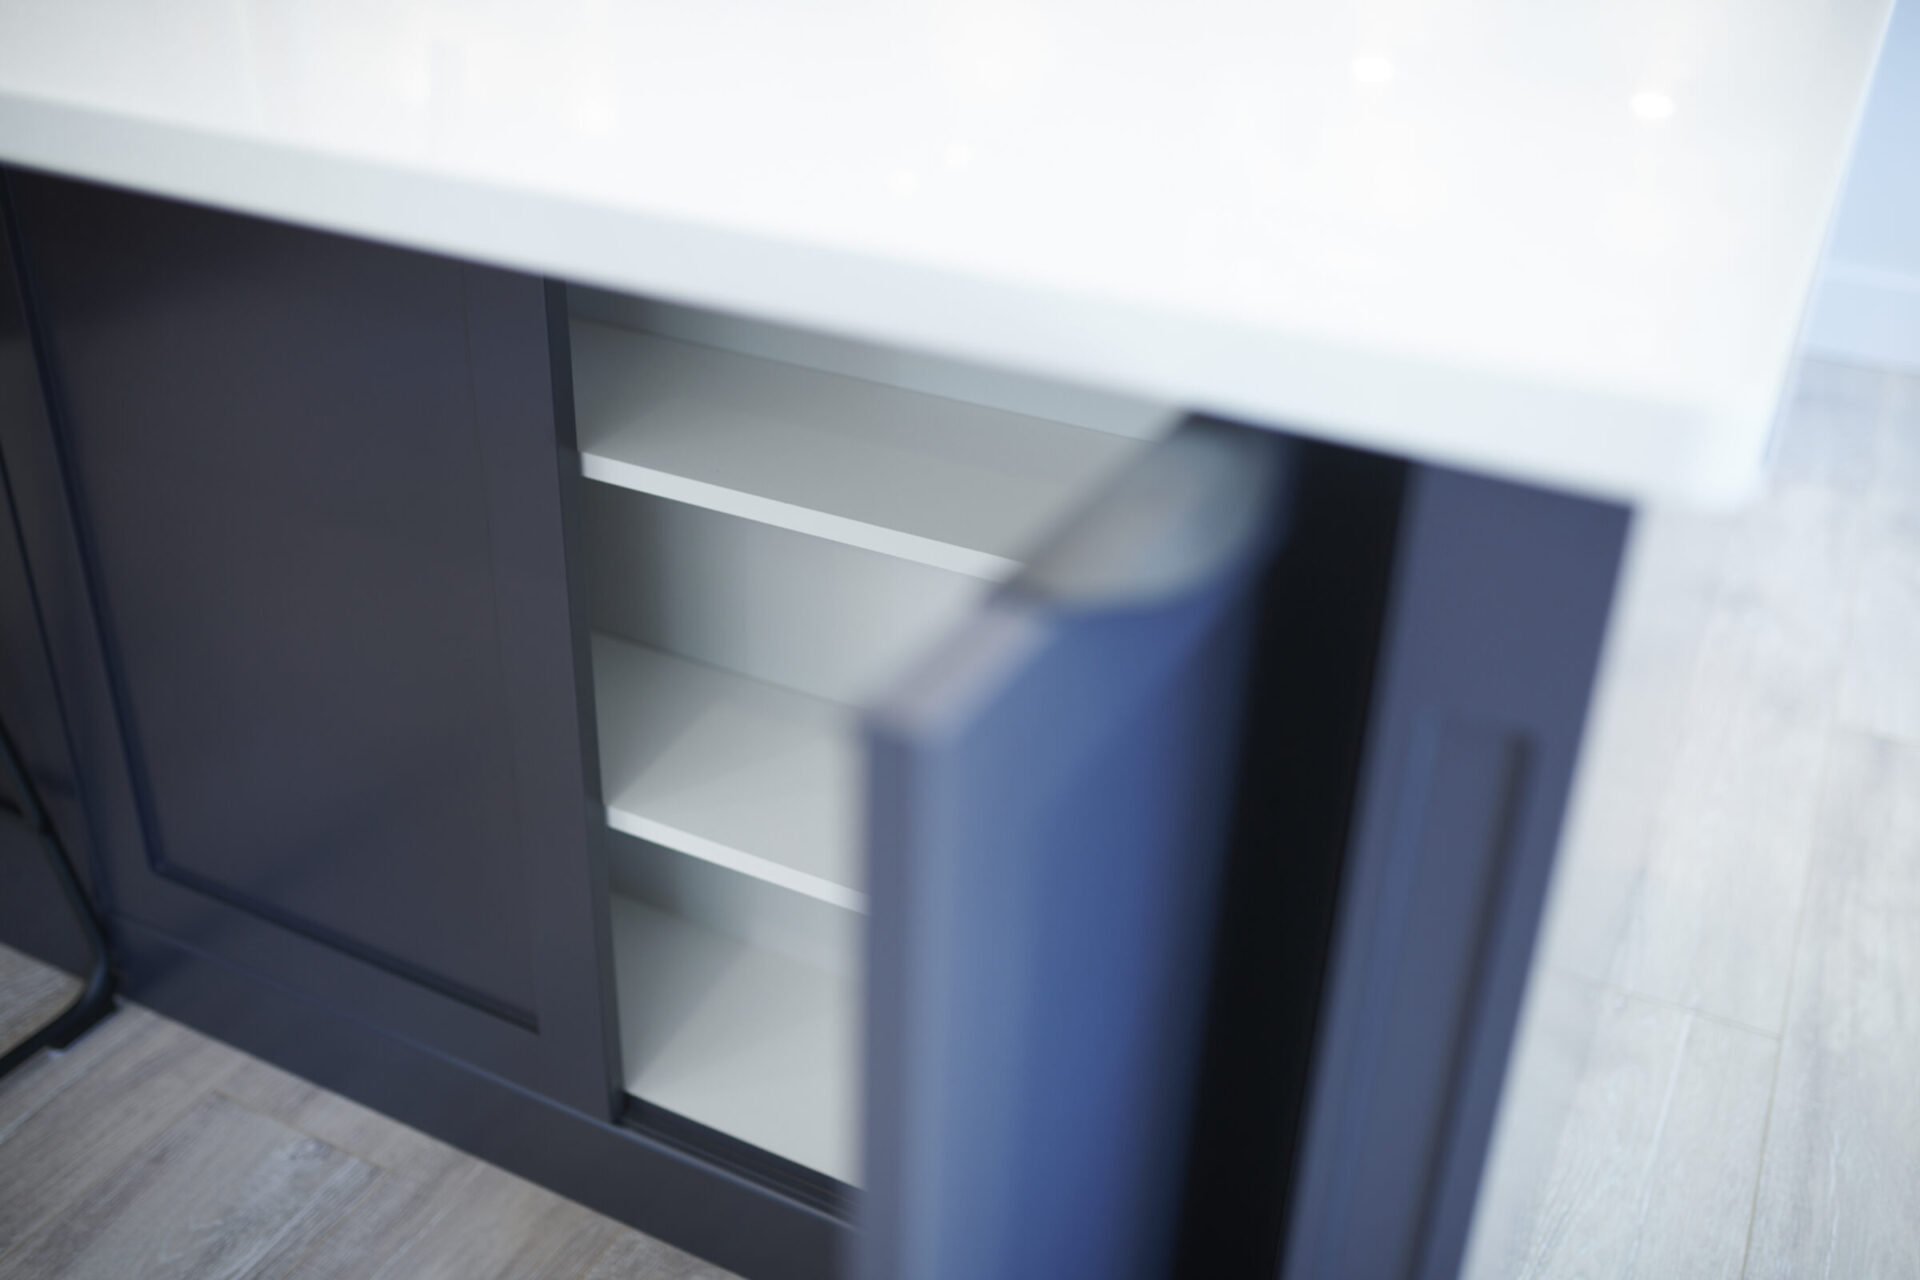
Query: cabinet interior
(776,524)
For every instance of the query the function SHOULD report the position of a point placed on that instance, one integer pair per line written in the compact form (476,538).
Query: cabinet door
(1048,827)
(330,719)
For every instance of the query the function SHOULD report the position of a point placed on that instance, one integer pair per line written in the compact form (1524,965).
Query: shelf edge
(798,519)
(775,873)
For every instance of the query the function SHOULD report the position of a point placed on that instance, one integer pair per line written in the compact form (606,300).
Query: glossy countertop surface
(1565,242)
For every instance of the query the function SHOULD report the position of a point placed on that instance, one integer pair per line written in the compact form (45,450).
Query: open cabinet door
(1048,820)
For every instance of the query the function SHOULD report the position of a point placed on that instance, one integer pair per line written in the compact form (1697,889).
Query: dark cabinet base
(323,687)
(687,1201)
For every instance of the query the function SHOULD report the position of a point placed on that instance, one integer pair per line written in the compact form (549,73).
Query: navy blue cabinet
(1205,854)
(315,501)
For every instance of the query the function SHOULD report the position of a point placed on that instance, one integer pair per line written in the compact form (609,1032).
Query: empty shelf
(940,481)
(745,1041)
(712,764)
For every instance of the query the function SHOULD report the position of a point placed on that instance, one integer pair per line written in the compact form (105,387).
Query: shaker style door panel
(318,494)
(1049,822)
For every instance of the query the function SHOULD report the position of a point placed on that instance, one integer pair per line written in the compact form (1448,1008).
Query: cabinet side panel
(1499,603)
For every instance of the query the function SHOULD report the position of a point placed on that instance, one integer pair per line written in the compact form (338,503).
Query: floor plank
(38,1080)
(458,1220)
(337,1121)
(150,1150)
(221,1193)
(442,1212)
(634,1257)
(1893,497)
(1804,650)
(1879,690)
(1723,877)
(1654,1173)
(1727,862)
(72,1124)
(1841,1179)
(1670,586)
(1543,1083)
(1830,437)
(31,994)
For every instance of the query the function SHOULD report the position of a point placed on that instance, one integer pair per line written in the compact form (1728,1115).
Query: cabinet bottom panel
(739,1038)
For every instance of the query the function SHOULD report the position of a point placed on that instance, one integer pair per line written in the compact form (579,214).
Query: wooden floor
(31,995)
(147,1150)
(1725,1010)
(1726,1004)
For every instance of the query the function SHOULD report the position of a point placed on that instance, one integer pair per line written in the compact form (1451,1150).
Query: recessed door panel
(1048,825)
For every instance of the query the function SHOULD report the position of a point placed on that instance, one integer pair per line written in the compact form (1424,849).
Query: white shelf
(943,482)
(745,1041)
(751,776)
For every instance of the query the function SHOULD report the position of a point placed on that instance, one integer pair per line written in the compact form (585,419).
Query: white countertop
(1566,242)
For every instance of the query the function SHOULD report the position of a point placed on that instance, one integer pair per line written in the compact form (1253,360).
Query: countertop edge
(1449,415)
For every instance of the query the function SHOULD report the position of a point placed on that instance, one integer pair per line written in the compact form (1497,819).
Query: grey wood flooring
(30,995)
(1718,1071)
(147,1150)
